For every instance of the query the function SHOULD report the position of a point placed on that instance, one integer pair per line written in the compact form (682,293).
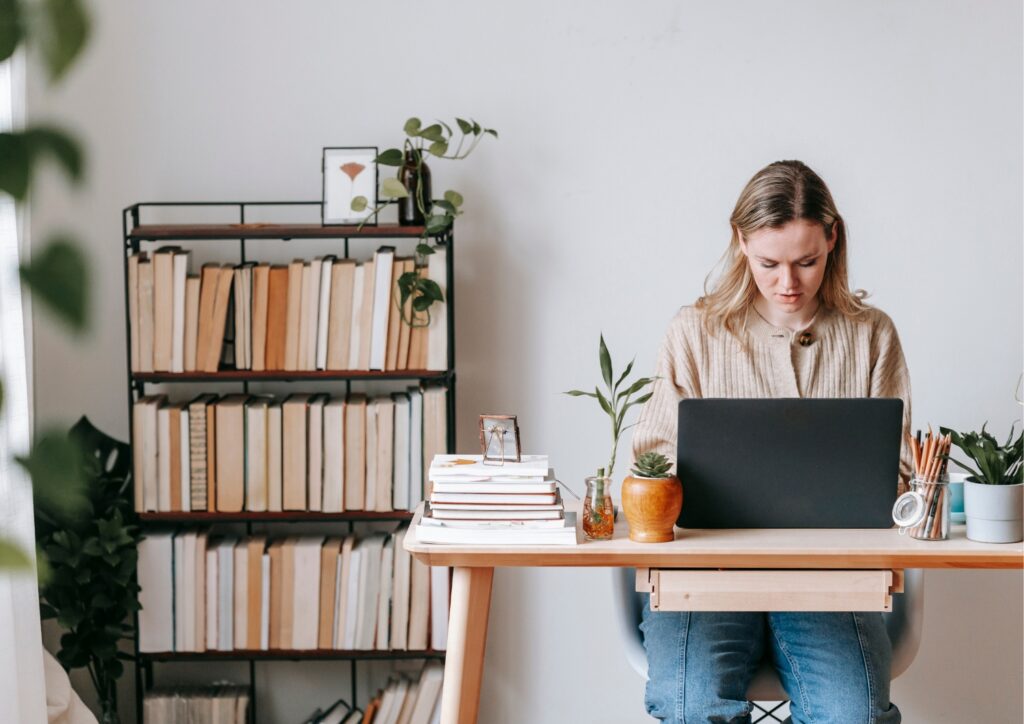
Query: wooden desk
(828,549)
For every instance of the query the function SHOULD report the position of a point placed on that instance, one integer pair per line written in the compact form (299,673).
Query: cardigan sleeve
(677,377)
(890,378)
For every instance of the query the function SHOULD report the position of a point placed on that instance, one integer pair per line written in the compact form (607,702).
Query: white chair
(903,624)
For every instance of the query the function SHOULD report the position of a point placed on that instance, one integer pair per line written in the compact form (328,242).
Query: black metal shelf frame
(133,239)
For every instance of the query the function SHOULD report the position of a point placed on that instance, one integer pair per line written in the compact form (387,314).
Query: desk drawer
(769,590)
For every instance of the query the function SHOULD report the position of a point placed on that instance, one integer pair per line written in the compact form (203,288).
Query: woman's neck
(795,321)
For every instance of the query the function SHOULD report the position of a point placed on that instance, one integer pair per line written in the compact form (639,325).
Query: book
(197,450)
(352,587)
(400,592)
(435,428)
(199,592)
(295,416)
(418,334)
(179,279)
(211,602)
(225,550)
(209,279)
(500,534)
(343,584)
(556,506)
(155,578)
(287,640)
(429,694)
(355,448)
(256,446)
(323,313)
(315,453)
(275,551)
(369,589)
(437,332)
(173,453)
(230,456)
(255,599)
(416,466)
(240,596)
(439,593)
(394,317)
(178,587)
(163,307)
(334,456)
(133,308)
(260,309)
(275,501)
(307,315)
(306,606)
(497,515)
(277,317)
(265,601)
(163,457)
(385,454)
(419,605)
(490,486)
(339,325)
(356,325)
(404,329)
(447,467)
(329,555)
(370,491)
(494,523)
(192,290)
(513,498)
(218,324)
(383,263)
(293,315)
(402,427)
(145,313)
(211,456)
(382,636)
(366,316)
(186,458)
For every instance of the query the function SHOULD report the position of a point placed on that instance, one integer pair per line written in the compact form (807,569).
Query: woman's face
(788,263)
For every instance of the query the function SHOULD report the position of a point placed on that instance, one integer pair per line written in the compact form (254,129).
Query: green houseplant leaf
(59,277)
(63,34)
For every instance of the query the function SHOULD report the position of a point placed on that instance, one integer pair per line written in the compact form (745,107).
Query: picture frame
(500,441)
(348,171)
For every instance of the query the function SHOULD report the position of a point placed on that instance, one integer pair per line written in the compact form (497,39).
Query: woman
(781,321)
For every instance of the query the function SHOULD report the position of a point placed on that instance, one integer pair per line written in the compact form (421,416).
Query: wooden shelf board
(202,232)
(285,376)
(287,655)
(297,516)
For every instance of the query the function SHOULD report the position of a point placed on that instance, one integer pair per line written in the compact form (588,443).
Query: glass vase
(598,514)
(412,175)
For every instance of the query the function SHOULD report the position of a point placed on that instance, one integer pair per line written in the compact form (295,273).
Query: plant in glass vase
(620,395)
(410,188)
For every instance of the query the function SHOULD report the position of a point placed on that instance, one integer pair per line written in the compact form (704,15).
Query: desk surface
(756,548)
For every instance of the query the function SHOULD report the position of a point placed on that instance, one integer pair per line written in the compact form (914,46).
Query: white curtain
(22,689)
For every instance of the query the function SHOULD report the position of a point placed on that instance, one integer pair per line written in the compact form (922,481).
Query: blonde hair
(779,193)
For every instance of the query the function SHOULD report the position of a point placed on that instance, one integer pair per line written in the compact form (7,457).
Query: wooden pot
(651,506)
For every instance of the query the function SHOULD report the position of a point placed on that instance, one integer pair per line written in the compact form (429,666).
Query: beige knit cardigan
(848,358)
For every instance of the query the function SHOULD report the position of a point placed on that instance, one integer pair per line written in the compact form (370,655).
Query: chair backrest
(903,624)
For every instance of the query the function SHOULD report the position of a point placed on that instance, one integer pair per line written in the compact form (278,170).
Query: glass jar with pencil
(923,512)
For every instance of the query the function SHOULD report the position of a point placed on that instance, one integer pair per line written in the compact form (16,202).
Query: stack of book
(202,593)
(304,452)
(225,704)
(481,503)
(321,314)
(405,700)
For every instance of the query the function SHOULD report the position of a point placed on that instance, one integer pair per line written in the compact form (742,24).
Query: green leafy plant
(618,398)
(58,275)
(437,140)
(91,589)
(996,464)
(652,465)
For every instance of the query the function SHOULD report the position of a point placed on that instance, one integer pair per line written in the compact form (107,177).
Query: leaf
(58,276)
(393,188)
(447,128)
(579,393)
(637,386)
(437,223)
(11,27)
(476,128)
(438,148)
(12,558)
(391,157)
(601,400)
(446,205)
(465,126)
(491,131)
(359,203)
(58,485)
(431,289)
(62,147)
(63,34)
(624,375)
(454,198)
(14,165)
(412,126)
(606,363)
(432,133)
(423,250)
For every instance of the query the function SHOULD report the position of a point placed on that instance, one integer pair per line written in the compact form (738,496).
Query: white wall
(627,132)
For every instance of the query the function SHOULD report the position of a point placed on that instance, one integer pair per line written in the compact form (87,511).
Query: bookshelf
(139,233)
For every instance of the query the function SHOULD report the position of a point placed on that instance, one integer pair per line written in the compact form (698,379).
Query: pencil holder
(932,519)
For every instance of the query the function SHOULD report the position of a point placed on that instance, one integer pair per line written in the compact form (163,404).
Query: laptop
(789,463)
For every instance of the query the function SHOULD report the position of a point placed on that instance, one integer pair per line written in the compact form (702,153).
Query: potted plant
(994,492)
(598,520)
(651,499)
(91,587)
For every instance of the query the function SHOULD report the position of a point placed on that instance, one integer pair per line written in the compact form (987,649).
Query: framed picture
(348,173)
(499,439)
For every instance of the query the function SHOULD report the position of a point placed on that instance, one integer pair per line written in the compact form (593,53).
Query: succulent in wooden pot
(651,499)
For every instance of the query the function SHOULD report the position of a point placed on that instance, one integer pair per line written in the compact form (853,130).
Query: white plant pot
(995,513)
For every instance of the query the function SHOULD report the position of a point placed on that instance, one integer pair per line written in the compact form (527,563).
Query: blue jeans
(835,667)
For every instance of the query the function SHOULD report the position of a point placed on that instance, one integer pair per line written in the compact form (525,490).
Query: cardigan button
(806,338)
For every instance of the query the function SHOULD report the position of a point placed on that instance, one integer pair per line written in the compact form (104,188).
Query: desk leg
(467,637)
